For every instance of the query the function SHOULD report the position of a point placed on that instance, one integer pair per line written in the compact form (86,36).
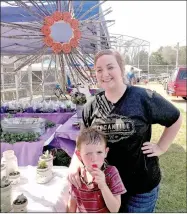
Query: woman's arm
(169,135)
(164,142)
(74,169)
(72,205)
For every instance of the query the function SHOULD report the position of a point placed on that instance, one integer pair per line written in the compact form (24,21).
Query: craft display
(6,195)
(20,204)
(10,161)
(38,107)
(23,125)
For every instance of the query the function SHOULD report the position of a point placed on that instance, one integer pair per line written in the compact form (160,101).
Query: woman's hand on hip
(74,176)
(152,149)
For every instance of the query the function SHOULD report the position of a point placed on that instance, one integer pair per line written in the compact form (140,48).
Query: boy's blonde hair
(90,136)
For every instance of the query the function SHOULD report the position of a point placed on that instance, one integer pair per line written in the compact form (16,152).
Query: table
(58,118)
(65,136)
(49,197)
(28,152)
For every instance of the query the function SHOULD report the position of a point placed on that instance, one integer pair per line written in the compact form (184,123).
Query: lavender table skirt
(58,118)
(65,136)
(28,152)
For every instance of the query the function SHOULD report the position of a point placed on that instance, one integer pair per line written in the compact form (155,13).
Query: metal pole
(43,89)
(148,62)
(3,83)
(30,81)
(177,55)
(16,83)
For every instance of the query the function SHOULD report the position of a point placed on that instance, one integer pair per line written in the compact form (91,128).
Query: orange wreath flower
(57,47)
(48,41)
(67,16)
(74,23)
(57,16)
(45,30)
(49,20)
(66,48)
(73,42)
(77,34)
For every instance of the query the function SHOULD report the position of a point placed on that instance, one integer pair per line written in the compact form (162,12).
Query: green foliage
(42,165)
(49,124)
(62,158)
(18,137)
(78,98)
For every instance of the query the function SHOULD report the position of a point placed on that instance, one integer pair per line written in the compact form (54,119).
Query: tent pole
(30,81)
(3,83)
(43,87)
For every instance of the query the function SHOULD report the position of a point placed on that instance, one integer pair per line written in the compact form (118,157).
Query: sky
(161,23)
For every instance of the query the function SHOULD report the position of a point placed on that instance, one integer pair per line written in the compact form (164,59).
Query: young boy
(101,185)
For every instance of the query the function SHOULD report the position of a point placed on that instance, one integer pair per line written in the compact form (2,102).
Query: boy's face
(93,154)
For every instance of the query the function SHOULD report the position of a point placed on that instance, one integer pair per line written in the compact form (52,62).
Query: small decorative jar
(20,204)
(14,177)
(10,160)
(43,173)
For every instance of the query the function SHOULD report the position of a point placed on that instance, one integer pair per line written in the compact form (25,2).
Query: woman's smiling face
(108,72)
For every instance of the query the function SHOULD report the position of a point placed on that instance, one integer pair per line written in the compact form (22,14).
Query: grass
(172,196)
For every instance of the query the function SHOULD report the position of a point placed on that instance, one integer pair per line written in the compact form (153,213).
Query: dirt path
(178,102)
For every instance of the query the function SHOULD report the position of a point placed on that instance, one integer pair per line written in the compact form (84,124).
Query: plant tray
(23,125)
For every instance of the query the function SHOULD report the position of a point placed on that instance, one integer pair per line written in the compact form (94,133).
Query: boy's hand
(99,177)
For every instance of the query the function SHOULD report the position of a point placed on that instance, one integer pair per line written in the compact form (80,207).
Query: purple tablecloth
(65,136)
(58,118)
(28,152)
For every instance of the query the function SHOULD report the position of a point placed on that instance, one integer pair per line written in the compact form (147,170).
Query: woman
(125,114)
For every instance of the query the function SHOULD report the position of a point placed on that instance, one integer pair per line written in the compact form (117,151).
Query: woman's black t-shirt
(127,125)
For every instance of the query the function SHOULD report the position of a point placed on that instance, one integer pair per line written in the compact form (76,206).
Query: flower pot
(20,208)
(79,109)
(15,178)
(6,198)
(10,160)
(43,175)
(49,161)
(3,170)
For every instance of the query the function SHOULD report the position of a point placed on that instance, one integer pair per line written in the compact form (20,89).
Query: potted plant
(14,177)
(79,99)
(3,170)
(44,173)
(6,195)
(20,204)
(48,158)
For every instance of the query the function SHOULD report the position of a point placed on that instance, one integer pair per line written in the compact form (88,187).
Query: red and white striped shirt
(91,200)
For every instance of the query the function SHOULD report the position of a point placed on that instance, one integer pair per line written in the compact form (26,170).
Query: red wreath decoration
(46,30)
(77,34)
(74,23)
(66,47)
(49,20)
(73,42)
(48,41)
(67,16)
(57,47)
(57,16)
